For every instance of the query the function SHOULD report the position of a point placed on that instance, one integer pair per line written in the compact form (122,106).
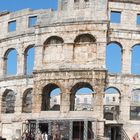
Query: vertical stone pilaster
(20,64)
(18,102)
(65,103)
(125,103)
(36,99)
(126,61)
(99,79)
(2,66)
(38,64)
(70,5)
(59,5)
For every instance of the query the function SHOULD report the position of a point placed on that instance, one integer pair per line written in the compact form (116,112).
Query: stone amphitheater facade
(70,53)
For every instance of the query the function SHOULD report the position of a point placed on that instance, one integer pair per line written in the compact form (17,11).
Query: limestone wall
(69,62)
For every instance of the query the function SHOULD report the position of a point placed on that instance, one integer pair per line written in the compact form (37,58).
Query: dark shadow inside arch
(114,57)
(135,61)
(10,60)
(27,101)
(51,98)
(54,40)
(29,59)
(81,97)
(8,101)
(83,38)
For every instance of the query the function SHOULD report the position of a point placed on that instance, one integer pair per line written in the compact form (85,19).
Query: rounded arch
(54,40)
(10,61)
(28,48)
(8,51)
(8,101)
(117,43)
(51,97)
(111,103)
(29,54)
(79,85)
(81,97)
(112,95)
(114,57)
(135,61)
(83,38)
(27,101)
(112,87)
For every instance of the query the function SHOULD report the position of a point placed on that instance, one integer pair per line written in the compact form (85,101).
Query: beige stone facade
(70,53)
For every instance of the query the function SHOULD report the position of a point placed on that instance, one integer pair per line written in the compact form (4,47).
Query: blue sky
(13,5)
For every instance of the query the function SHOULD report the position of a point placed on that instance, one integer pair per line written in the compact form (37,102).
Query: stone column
(85,130)
(1,91)
(70,5)
(100,54)
(36,98)
(126,61)
(99,80)
(59,5)
(20,64)
(2,66)
(70,130)
(38,58)
(38,64)
(65,103)
(18,102)
(100,129)
(125,103)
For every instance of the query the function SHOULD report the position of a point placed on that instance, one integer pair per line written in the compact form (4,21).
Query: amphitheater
(70,53)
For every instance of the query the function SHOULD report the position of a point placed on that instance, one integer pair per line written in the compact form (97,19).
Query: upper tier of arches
(85,50)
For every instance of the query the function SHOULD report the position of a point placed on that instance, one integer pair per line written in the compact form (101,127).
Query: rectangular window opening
(134,112)
(32,21)
(12,26)
(115,17)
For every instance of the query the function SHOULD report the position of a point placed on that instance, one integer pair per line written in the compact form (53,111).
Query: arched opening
(81,97)
(135,61)
(85,49)
(53,45)
(8,101)
(51,98)
(135,105)
(10,62)
(54,40)
(111,103)
(85,38)
(27,101)
(29,60)
(114,58)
